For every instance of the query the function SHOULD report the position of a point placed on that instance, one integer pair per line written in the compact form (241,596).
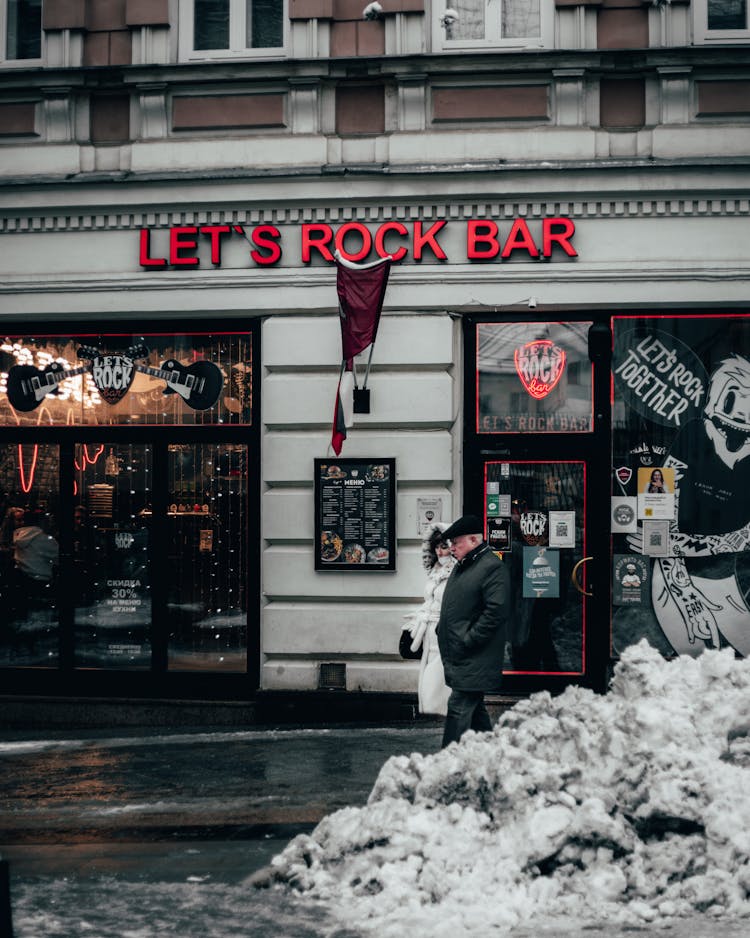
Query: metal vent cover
(332,676)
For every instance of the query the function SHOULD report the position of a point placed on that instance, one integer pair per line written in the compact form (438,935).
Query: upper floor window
(493,23)
(219,28)
(721,20)
(21,29)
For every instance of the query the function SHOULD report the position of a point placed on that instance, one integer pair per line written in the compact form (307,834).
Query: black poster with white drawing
(682,398)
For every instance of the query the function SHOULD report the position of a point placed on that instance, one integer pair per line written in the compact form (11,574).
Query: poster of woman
(656,493)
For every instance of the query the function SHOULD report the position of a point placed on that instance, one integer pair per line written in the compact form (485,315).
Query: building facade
(564,190)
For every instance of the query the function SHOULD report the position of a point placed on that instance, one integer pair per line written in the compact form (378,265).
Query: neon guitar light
(199,384)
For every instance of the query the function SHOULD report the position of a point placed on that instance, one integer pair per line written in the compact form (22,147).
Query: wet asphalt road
(153,833)
(96,788)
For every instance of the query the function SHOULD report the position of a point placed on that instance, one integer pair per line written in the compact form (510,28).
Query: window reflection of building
(507,406)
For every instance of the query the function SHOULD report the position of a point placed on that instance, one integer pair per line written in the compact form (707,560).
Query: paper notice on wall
(541,573)
(429,512)
(631,576)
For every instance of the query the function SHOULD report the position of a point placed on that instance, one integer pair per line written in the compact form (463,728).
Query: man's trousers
(466,711)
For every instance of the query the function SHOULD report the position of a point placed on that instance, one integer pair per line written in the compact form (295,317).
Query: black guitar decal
(28,386)
(199,384)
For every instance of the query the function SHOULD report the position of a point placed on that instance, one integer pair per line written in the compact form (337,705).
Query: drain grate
(332,676)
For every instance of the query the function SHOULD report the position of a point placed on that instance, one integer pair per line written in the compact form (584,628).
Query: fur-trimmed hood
(429,555)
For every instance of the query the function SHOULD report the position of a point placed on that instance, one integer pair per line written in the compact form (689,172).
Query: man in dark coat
(471,629)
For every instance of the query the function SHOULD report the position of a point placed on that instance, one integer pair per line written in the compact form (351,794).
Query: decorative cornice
(378,213)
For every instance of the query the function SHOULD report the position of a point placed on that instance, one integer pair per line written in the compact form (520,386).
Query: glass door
(537,471)
(536,521)
(111,570)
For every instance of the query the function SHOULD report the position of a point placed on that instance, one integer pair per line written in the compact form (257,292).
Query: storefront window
(207,557)
(681,446)
(126,459)
(111,569)
(534,378)
(29,554)
(133,380)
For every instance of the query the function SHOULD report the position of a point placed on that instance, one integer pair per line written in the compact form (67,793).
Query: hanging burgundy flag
(361,293)
(342,411)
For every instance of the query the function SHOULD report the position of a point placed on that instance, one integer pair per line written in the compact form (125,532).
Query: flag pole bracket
(361,400)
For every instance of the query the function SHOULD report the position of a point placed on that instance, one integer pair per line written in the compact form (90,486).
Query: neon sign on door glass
(540,365)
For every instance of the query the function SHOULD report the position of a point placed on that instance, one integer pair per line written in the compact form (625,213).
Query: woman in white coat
(421,625)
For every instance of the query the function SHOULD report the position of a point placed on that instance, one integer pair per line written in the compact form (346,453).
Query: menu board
(355,514)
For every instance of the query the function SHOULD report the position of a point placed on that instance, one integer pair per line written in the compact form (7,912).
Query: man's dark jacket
(473,616)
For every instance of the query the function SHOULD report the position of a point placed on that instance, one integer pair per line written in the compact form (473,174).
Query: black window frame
(157,682)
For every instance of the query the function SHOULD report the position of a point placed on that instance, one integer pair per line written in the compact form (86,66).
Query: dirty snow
(630,809)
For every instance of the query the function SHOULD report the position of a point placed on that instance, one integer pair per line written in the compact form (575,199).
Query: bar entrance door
(537,469)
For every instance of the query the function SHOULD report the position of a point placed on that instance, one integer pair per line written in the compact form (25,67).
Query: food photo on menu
(331,546)
(378,555)
(354,553)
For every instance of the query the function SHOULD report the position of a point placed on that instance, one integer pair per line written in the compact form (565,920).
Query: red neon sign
(27,480)
(540,365)
(182,246)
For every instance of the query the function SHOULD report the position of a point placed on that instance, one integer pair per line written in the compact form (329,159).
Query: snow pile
(628,808)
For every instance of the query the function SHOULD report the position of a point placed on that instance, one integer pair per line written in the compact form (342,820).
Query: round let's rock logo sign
(540,365)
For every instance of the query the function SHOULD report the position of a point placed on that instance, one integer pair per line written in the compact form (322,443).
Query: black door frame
(593,448)
(158,681)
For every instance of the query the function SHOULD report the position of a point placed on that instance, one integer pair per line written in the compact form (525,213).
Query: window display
(144,564)
(183,380)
